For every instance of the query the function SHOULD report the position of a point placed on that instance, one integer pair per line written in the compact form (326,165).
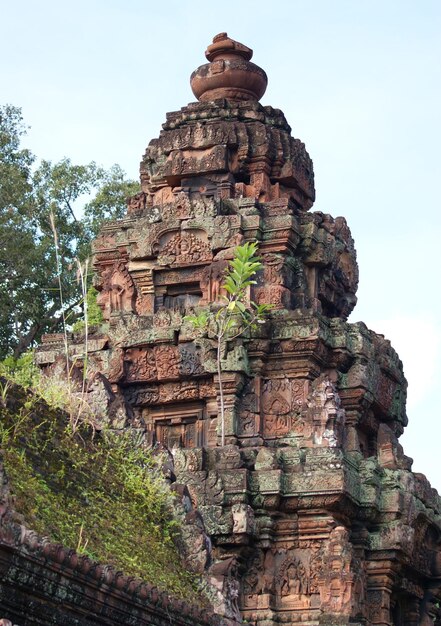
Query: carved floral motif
(141,364)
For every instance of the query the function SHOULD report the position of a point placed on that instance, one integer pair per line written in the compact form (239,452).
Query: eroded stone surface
(312,509)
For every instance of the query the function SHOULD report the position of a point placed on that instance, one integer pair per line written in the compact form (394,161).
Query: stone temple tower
(312,509)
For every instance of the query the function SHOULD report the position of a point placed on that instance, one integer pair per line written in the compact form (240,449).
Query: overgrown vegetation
(102,495)
(59,391)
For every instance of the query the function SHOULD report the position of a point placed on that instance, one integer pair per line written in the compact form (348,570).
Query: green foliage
(236,313)
(243,267)
(22,371)
(58,392)
(94,313)
(29,293)
(109,201)
(103,496)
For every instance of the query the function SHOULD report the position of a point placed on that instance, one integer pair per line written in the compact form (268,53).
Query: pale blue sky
(360,84)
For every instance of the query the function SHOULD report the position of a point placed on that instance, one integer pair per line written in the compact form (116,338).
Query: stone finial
(230,74)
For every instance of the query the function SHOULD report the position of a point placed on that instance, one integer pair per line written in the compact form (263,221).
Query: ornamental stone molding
(313,512)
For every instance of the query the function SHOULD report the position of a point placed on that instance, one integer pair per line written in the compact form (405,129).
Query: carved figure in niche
(122,289)
(118,293)
(293,578)
(327,414)
(184,249)
(211,280)
(253,581)
(292,584)
(336,580)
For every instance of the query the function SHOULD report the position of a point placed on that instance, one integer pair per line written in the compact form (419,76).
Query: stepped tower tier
(313,512)
(228,145)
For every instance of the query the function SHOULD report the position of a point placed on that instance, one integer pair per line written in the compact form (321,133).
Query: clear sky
(358,80)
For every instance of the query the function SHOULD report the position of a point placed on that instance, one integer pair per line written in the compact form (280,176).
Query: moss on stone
(102,495)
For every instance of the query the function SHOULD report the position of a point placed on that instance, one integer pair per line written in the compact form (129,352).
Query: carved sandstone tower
(313,512)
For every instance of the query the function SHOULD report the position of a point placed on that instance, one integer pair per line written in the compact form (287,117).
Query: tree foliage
(79,197)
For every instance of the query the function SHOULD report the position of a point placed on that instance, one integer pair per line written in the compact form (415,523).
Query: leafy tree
(236,313)
(79,197)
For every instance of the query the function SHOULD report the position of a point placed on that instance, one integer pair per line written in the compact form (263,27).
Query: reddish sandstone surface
(314,514)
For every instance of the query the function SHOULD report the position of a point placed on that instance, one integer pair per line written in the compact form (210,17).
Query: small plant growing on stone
(236,313)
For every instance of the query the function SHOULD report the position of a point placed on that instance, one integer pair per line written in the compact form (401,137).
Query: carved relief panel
(162,362)
(281,402)
(292,583)
(325,413)
(184,248)
(337,579)
(254,588)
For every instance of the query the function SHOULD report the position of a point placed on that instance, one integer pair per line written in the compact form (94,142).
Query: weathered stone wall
(44,583)
(314,514)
